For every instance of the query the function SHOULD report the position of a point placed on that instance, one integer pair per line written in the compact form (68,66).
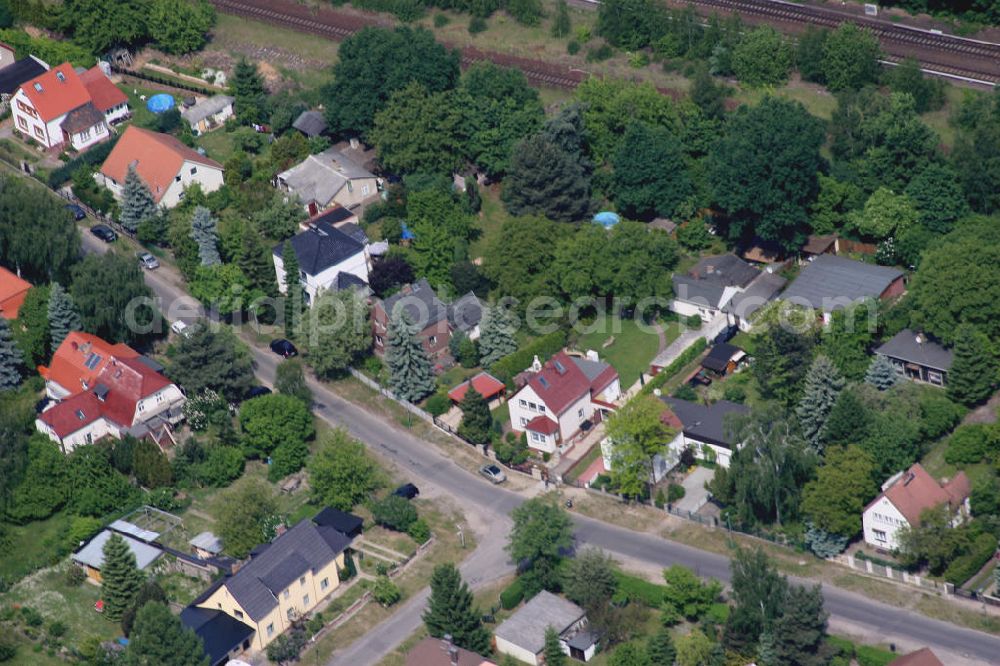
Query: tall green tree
(976,158)
(660,648)
(121,579)
(821,387)
(847,338)
(629,24)
(496,337)
(552,649)
(410,373)
(138,204)
(44,487)
(112,298)
(881,373)
(205,234)
(885,215)
(686,596)
(53,246)
(338,331)
(11,359)
(542,532)
(180,26)
(247,86)
(560,23)
(782,358)
(850,58)
(433,252)
(248,516)
(63,317)
(844,484)
(271,421)
(589,579)
(31,330)
(293,290)
(638,435)
(759,593)
(800,632)
(907,77)
(341,474)
(212,358)
(418,131)
(545,180)
(763,57)
(376,62)
(451,611)
(95,487)
(810,54)
(100,25)
(158,638)
(290,379)
(650,174)
(938,197)
(762,172)
(974,369)
(477,421)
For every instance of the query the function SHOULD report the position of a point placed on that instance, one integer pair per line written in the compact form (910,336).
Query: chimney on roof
(593,355)
(909,477)
(451,648)
(536,365)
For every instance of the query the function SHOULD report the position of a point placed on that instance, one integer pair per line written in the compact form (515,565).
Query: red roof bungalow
(12,292)
(106,390)
(563,397)
(485,384)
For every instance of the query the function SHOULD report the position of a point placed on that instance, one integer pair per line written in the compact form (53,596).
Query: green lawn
(140,114)
(632,350)
(31,545)
(502,414)
(491,218)
(218,144)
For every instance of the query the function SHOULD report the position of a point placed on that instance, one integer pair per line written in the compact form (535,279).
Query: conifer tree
(138,204)
(823,384)
(477,422)
(660,648)
(121,579)
(881,374)
(158,637)
(973,371)
(410,374)
(799,635)
(204,233)
(10,359)
(560,24)
(554,656)
(255,261)
(450,611)
(293,290)
(496,338)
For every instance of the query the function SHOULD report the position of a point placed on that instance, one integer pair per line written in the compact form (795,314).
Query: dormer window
(38,87)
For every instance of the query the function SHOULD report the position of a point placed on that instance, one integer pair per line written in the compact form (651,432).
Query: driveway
(695,494)
(488,509)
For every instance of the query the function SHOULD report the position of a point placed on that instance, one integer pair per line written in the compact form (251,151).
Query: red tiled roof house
(904,497)
(560,396)
(63,109)
(486,385)
(12,292)
(105,390)
(164,164)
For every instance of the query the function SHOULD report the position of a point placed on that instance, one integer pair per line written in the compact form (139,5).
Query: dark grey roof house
(916,357)
(830,282)
(310,123)
(465,313)
(419,302)
(713,282)
(223,637)
(343,522)
(328,258)
(706,423)
(758,294)
(726,270)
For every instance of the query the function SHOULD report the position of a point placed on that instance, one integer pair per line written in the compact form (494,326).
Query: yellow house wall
(223,600)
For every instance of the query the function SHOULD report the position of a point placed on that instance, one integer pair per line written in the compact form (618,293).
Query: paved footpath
(488,508)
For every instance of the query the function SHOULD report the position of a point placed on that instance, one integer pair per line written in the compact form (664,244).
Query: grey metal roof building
(526,628)
(705,423)
(302,548)
(310,123)
(321,247)
(726,270)
(759,293)
(92,554)
(830,282)
(911,347)
(219,632)
(207,108)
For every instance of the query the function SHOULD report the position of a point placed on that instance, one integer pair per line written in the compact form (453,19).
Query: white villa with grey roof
(327,179)
(724,284)
(329,258)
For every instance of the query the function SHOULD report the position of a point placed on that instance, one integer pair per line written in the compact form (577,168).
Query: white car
(180,328)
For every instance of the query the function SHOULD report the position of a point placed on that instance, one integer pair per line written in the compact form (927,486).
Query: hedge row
(506,368)
(92,157)
(512,595)
(180,84)
(639,590)
(965,567)
(688,355)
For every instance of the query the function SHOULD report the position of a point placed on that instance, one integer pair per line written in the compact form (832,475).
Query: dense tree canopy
(53,245)
(247,516)
(850,58)
(762,58)
(650,174)
(376,62)
(212,358)
(341,474)
(844,484)
(111,295)
(762,172)
(418,131)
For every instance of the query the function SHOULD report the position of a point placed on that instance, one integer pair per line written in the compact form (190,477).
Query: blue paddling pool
(160,103)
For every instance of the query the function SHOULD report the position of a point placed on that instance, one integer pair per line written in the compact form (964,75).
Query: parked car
(406,491)
(77,212)
(725,335)
(258,391)
(104,232)
(181,328)
(493,473)
(148,261)
(283,347)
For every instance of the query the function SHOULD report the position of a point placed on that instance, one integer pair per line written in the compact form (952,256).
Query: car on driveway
(406,491)
(283,347)
(104,232)
(493,473)
(77,212)
(148,261)
(181,328)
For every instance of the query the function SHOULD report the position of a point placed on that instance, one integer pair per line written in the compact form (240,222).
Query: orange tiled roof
(80,358)
(157,158)
(486,385)
(12,292)
(916,491)
(104,94)
(56,92)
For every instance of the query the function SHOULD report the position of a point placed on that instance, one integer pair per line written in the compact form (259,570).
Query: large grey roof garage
(829,282)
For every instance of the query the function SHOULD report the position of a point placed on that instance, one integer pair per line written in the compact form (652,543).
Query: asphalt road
(432,470)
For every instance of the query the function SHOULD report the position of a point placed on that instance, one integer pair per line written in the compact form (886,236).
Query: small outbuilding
(723,358)
(206,545)
(522,635)
(209,113)
(310,123)
(91,556)
(485,384)
(346,523)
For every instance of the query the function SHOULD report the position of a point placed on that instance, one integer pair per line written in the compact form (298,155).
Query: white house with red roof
(903,499)
(106,390)
(561,396)
(62,108)
(163,163)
